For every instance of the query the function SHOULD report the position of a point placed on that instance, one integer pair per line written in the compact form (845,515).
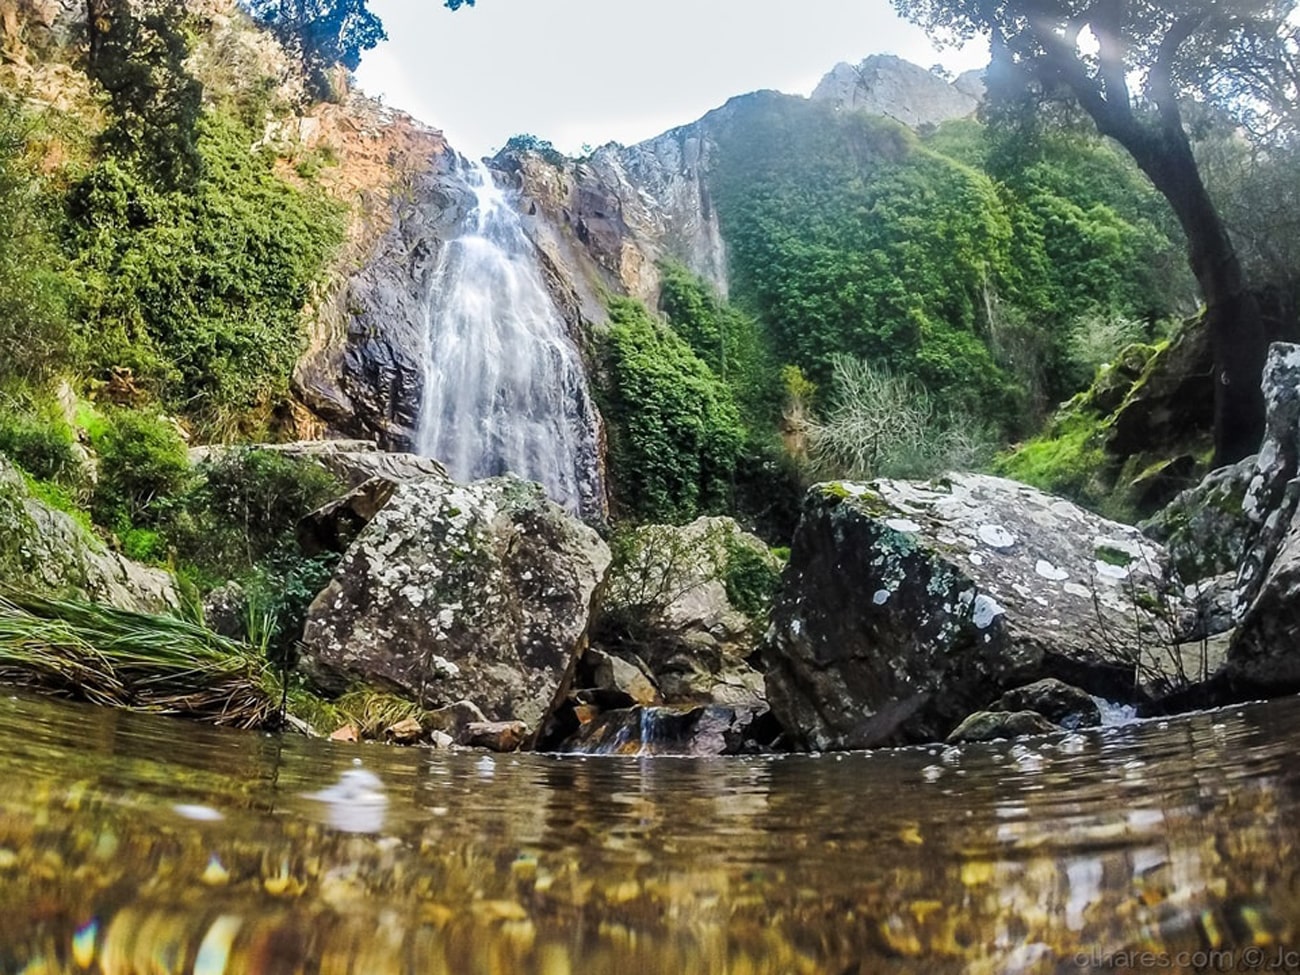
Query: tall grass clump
(883,424)
(126,659)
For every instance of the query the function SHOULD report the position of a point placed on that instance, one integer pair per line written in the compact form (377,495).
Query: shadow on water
(134,845)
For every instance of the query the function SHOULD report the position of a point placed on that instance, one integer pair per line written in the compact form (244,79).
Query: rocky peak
(886,85)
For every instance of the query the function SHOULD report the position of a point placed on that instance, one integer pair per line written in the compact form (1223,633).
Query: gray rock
(926,601)
(354,462)
(889,86)
(1055,700)
(994,725)
(50,552)
(369,378)
(619,679)
(1205,529)
(225,611)
(475,592)
(1262,657)
(666,602)
(333,527)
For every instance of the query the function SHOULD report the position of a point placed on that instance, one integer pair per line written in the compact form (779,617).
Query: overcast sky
(593,71)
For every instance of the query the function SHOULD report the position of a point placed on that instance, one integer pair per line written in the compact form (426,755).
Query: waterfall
(504,386)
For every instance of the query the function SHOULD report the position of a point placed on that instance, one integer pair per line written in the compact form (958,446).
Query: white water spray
(504,387)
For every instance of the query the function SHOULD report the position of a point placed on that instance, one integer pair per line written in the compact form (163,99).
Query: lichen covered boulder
(49,552)
(907,606)
(454,592)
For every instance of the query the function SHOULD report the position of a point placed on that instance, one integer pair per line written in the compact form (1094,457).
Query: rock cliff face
(365,374)
(897,89)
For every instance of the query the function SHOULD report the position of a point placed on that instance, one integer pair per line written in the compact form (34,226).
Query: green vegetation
(143,468)
(1065,459)
(200,294)
(675,433)
(729,342)
(964,261)
(750,578)
(112,656)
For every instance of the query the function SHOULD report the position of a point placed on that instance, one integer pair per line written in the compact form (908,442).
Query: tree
(324,33)
(137,53)
(1130,64)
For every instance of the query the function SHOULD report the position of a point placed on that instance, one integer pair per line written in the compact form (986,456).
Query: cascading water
(504,386)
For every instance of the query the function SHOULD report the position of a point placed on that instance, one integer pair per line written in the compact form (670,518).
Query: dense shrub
(143,469)
(34,285)
(729,341)
(200,293)
(750,578)
(675,433)
(883,425)
(42,445)
(245,510)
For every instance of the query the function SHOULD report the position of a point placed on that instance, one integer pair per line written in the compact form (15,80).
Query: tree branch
(1161,80)
(1108,26)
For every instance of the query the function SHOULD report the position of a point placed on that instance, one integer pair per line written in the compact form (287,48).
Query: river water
(137,845)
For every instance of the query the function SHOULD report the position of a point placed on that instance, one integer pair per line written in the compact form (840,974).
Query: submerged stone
(992,725)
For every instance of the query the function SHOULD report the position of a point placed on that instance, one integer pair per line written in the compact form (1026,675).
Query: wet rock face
(700,732)
(907,606)
(476,592)
(47,551)
(370,383)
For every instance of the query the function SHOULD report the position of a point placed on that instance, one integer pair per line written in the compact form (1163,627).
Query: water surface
(131,844)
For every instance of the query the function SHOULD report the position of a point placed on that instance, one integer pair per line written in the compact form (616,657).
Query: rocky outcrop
(1262,655)
(367,377)
(476,592)
(607,221)
(889,86)
(907,606)
(49,552)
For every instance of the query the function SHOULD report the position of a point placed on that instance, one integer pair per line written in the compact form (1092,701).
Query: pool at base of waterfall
(133,845)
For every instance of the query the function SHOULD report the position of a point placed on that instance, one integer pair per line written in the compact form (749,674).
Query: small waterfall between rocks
(504,385)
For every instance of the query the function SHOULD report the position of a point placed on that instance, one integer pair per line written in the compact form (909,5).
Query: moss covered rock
(50,552)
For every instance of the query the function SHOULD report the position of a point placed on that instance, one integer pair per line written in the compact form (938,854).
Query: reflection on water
(135,845)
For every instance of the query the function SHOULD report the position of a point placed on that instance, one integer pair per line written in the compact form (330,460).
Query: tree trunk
(1232,312)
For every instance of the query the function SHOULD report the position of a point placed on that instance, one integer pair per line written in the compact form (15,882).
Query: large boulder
(1262,657)
(686,603)
(50,552)
(906,606)
(476,592)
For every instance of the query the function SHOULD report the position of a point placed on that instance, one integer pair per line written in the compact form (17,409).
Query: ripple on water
(225,850)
